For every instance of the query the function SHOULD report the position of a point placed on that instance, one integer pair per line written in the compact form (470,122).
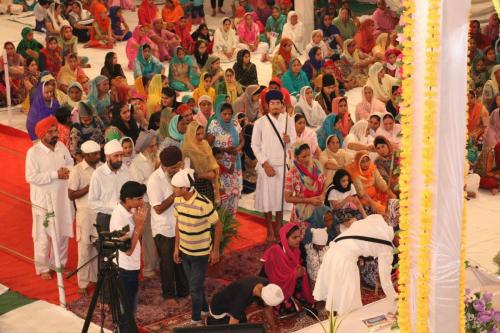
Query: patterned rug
(154,316)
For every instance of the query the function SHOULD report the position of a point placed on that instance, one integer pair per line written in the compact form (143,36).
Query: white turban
(272,294)
(112,147)
(182,178)
(90,147)
(319,236)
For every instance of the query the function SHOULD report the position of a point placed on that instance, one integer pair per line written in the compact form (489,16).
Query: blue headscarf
(115,19)
(328,129)
(173,132)
(229,128)
(39,109)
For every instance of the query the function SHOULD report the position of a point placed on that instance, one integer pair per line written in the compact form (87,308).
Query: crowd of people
(169,153)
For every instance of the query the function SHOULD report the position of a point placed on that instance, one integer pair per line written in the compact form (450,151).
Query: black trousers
(173,278)
(219,2)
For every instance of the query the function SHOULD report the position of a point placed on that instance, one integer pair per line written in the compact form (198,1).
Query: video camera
(111,241)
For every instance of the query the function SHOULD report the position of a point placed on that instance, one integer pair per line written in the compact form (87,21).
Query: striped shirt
(195,218)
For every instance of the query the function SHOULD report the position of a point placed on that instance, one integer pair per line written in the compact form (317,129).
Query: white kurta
(267,148)
(45,187)
(86,233)
(49,193)
(338,277)
(105,185)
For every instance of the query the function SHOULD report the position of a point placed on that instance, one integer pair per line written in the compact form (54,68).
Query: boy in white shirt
(130,211)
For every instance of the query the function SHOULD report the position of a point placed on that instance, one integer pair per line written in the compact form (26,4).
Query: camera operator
(130,211)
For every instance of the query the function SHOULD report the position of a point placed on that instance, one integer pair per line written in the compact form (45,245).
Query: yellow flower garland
(496,4)
(404,320)
(428,167)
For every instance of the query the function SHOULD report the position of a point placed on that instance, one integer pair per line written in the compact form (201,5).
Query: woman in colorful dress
(229,86)
(140,36)
(222,133)
(182,74)
(43,104)
(99,98)
(304,184)
(369,184)
(294,78)
(206,168)
(146,64)
(284,266)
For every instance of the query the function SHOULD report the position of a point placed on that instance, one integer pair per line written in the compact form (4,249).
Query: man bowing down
(47,172)
(272,135)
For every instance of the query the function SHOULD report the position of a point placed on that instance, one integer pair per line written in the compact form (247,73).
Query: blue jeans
(130,282)
(195,268)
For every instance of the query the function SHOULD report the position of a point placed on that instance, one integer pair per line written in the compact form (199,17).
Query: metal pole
(7,86)
(55,249)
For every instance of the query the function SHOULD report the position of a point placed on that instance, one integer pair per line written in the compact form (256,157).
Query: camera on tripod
(111,241)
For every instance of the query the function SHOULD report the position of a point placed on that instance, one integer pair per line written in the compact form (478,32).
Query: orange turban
(43,126)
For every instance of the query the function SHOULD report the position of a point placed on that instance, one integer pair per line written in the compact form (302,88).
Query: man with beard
(141,168)
(161,197)
(271,135)
(78,188)
(47,170)
(106,182)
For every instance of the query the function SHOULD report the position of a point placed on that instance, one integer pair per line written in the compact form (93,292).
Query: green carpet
(11,300)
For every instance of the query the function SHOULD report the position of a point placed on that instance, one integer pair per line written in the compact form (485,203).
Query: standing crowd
(171,152)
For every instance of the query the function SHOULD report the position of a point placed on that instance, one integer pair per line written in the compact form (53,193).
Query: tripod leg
(93,302)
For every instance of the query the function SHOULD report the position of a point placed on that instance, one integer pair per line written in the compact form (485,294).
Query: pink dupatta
(280,264)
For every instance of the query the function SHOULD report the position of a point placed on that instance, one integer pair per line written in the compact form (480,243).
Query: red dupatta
(281,262)
(147,12)
(345,120)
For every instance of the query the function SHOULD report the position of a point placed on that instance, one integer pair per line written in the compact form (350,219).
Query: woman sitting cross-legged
(248,33)
(182,73)
(369,184)
(284,266)
(304,184)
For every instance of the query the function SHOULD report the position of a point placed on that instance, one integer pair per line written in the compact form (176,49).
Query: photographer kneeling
(131,212)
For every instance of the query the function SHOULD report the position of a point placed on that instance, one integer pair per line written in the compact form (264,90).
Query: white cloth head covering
(112,147)
(182,178)
(272,294)
(314,113)
(90,147)
(319,236)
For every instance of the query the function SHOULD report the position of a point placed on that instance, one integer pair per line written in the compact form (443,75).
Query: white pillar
(305,10)
(451,131)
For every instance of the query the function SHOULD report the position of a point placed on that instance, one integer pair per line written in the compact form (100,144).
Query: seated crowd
(198,137)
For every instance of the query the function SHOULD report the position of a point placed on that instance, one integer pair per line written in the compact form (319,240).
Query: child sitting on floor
(315,252)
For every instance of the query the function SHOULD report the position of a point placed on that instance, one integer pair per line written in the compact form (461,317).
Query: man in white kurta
(269,151)
(106,182)
(338,278)
(141,169)
(47,170)
(86,233)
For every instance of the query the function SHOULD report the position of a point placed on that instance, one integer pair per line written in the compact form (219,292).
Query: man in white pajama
(47,171)
(86,233)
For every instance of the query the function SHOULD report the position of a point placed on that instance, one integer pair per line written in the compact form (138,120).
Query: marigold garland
(428,168)
(404,320)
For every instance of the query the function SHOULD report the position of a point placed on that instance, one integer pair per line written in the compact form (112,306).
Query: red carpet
(16,244)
